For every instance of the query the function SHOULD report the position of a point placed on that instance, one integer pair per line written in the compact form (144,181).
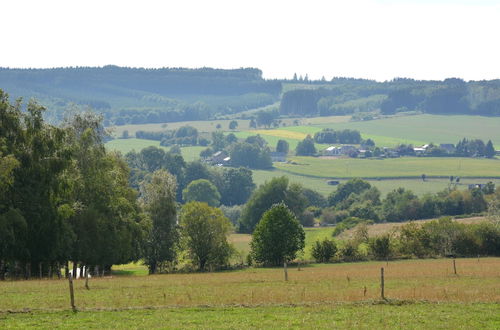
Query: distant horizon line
(237,68)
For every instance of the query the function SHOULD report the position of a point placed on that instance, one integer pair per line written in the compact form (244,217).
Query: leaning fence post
(285,270)
(382,295)
(71,293)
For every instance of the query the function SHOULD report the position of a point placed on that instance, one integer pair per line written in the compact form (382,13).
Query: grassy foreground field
(421,293)
(325,316)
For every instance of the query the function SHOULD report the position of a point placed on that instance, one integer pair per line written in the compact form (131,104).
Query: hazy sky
(378,39)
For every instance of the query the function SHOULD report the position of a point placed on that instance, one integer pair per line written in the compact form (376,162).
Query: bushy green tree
(344,190)
(250,155)
(233,124)
(204,234)
(380,247)
(237,186)
(277,190)
(282,146)
(277,237)
(324,251)
(306,147)
(202,191)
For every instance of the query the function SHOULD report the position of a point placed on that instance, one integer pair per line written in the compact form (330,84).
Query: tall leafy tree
(105,213)
(489,150)
(204,233)
(282,146)
(43,157)
(158,198)
(237,186)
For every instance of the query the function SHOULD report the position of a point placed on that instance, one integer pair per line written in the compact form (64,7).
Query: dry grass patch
(379,229)
(432,280)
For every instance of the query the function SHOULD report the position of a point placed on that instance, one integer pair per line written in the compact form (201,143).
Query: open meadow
(404,167)
(385,185)
(420,293)
(389,132)
(386,132)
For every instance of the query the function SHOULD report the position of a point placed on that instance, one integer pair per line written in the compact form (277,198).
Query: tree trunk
(75,266)
(40,270)
(2,270)
(58,270)
(66,269)
(27,271)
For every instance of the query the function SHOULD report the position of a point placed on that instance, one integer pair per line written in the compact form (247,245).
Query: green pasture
(325,316)
(272,140)
(416,130)
(392,167)
(126,145)
(201,125)
(419,187)
(426,128)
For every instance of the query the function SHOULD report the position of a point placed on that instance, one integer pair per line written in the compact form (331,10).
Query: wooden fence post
(71,293)
(454,266)
(285,270)
(382,294)
(87,280)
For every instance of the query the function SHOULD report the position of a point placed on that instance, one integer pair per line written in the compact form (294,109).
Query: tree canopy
(276,190)
(204,231)
(277,237)
(201,191)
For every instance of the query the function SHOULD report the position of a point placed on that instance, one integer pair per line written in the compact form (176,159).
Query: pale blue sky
(378,39)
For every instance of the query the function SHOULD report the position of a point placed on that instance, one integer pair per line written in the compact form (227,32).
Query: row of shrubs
(438,238)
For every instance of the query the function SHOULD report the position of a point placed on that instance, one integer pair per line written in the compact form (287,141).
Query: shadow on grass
(125,272)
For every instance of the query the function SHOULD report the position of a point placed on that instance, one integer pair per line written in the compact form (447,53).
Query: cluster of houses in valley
(221,158)
(362,152)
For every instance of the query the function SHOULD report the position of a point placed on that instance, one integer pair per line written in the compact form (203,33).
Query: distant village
(222,158)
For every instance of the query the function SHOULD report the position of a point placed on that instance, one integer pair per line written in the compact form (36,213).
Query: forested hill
(137,95)
(346,96)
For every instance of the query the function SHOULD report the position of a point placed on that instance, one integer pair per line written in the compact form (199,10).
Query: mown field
(421,293)
(389,132)
(126,145)
(419,187)
(391,168)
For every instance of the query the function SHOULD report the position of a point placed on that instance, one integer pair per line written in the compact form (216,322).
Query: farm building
(337,151)
(220,157)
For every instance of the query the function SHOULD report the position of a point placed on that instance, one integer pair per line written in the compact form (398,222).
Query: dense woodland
(347,96)
(138,96)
